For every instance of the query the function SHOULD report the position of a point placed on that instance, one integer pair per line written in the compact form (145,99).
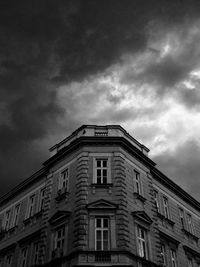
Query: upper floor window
(7,219)
(31,206)
(41,199)
(156,198)
(142,242)
(173,258)
(16,215)
(137,183)
(189,262)
(24,257)
(166,208)
(102,234)
(35,253)
(163,255)
(182,219)
(59,240)
(8,260)
(189,223)
(101,176)
(64,180)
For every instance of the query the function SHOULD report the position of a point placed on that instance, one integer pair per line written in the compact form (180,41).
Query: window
(189,262)
(156,198)
(137,183)
(35,253)
(24,256)
(64,180)
(41,199)
(8,260)
(142,242)
(16,215)
(59,238)
(181,214)
(173,258)
(7,220)
(189,223)
(102,234)
(101,170)
(163,255)
(31,205)
(166,207)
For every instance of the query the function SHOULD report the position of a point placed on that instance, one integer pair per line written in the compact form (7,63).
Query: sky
(135,63)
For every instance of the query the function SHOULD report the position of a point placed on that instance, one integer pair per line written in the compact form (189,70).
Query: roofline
(22,185)
(161,177)
(114,126)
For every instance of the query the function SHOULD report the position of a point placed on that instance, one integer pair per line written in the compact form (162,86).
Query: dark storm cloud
(182,166)
(44,44)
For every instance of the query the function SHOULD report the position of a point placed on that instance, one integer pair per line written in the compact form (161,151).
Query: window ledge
(102,185)
(190,234)
(61,194)
(140,197)
(162,217)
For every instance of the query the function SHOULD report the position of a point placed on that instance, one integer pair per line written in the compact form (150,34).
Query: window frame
(102,230)
(35,252)
(173,257)
(10,257)
(16,215)
(190,225)
(31,206)
(64,180)
(156,199)
(24,258)
(163,253)
(101,168)
(60,239)
(182,217)
(142,242)
(166,207)
(7,220)
(137,183)
(41,199)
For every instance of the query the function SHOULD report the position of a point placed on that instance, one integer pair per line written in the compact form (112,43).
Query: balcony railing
(102,256)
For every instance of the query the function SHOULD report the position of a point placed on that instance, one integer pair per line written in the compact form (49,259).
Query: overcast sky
(66,63)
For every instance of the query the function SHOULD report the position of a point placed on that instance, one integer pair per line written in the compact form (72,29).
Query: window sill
(61,194)
(162,217)
(102,185)
(190,234)
(140,197)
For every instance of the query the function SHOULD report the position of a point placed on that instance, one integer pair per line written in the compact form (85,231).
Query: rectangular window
(101,170)
(156,198)
(137,183)
(189,262)
(173,258)
(41,199)
(35,253)
(64,180)
(59,238)
(163,255)
(190,224)
(182,219)
(31,206)
(7,220)
(16,215)
(142,242)
(166,207)
(24,257)
(8,260)
(102,234)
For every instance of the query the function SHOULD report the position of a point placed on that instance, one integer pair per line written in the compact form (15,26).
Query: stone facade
(99,200)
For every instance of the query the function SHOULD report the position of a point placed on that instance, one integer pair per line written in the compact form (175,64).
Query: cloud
(182,166)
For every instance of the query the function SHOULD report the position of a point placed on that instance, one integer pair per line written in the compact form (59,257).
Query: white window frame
(137,182)
(35,253)
(31,206)
(163,253)
(64,180)
(102,229)
(142,242)
(16,215)
(24,256)
(41,199)
(9,259)
(156,199)
(173,257)
(182,217)
(190,223)
(7,217)
(99,179)
(166,207)
(61,238)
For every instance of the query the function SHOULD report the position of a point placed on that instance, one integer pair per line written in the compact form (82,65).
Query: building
(99,200)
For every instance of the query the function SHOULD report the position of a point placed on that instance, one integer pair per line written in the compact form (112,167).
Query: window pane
(98,173)
(105,223)
(105,235)
(98,245)
(98,222)
(105,173)
(98,163)
(105,245)
(104,163)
